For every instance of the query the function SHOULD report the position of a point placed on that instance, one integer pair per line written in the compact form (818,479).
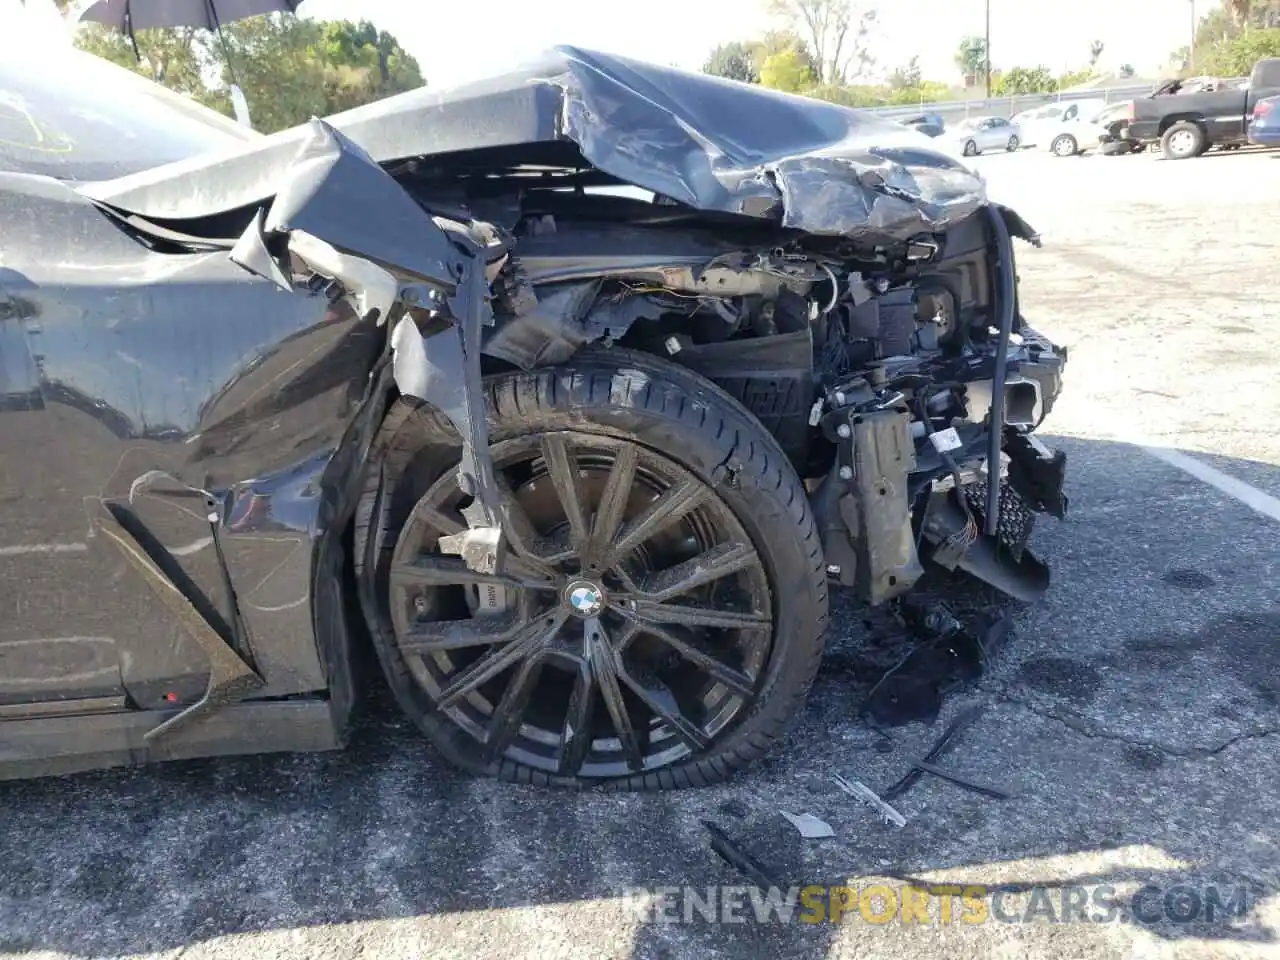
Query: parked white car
(979,134)
(1066,128)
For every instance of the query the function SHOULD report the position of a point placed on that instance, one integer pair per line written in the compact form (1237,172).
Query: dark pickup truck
(1187,122)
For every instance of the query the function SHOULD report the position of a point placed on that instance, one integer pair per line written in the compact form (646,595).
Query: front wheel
(1013,145)
(970,149)
(1183,140)
(1064,145)
(664,602)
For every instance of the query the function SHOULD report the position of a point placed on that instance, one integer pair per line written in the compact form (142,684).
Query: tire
(1183,140)
(1064,145)
(1013,145)
(675,424)
(970,149)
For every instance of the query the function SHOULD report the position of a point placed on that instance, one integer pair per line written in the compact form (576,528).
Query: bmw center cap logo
(586,599)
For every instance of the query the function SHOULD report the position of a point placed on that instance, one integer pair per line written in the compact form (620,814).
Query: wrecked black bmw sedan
(567,393)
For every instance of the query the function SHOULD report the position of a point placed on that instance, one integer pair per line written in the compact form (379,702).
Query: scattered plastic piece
(810,827)
(856,788)
(938,750)
(948,652)
(731,853)
(983,788)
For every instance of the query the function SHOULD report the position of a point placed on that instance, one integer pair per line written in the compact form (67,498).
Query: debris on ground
(858,789)
(987,790)
(947,653)
(810,827)
(938,750)
(736,856)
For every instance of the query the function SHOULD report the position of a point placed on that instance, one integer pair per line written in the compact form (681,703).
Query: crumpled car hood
(711,144)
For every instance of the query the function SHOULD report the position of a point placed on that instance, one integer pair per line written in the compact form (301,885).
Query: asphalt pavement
(1134,716)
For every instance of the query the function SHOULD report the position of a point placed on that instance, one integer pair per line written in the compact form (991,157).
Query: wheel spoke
(707,567)
(508,714)
(575,736)
(440,522)
(696,651)
(657,696)
(521,534)
(674,503)
(526,642)
(562,469)
(699,616)
(437,571)
(606,667)
(613,502)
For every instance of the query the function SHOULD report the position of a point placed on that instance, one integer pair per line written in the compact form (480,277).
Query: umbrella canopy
(129,15)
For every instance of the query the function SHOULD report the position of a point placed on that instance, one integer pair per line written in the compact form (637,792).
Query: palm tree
(1239,11)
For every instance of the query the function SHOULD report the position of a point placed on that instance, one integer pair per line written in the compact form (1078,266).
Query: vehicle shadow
(1129,716)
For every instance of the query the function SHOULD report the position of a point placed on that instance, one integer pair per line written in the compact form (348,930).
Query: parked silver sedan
(976,135)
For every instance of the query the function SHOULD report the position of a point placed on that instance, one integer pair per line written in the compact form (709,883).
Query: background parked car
(1188,117)
(1264,125)
(1064,128)
(927,123)
(979,134)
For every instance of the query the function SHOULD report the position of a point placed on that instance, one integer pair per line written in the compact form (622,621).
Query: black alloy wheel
(641,633)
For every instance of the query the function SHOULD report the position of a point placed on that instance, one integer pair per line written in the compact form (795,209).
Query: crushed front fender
(340,223)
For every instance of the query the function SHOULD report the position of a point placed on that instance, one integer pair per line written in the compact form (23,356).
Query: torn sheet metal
(347,220)
(708,143)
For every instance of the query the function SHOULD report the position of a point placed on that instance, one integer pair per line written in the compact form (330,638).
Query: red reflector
(171,697)
(1262,109)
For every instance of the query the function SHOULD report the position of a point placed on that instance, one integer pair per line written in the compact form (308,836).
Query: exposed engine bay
(874,368)
(851,286)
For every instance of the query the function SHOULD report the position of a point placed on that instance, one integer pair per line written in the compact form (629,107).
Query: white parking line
(1251,497)
(23,550)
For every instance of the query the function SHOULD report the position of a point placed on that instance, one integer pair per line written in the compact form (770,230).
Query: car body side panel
(200,406)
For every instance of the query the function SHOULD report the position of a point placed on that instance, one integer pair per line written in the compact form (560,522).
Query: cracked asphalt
(1134,714)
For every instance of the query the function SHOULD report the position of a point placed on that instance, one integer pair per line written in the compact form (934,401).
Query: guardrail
(952,110)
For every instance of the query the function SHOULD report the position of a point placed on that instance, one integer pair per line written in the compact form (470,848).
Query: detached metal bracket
(454,386)
(230,678)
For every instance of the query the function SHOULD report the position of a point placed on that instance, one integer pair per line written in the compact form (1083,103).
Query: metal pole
(986,49)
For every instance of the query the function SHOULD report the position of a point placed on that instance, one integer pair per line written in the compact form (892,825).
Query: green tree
(971,58)
(1235,57)
(907,77)
(787,71)
(289,68)
(1073,78)
(781,41)
(1022,80)
(172,57)
(735,60)
(1095,53)
(836,33)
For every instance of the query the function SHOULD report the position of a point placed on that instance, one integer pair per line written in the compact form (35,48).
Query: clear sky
(460,41)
